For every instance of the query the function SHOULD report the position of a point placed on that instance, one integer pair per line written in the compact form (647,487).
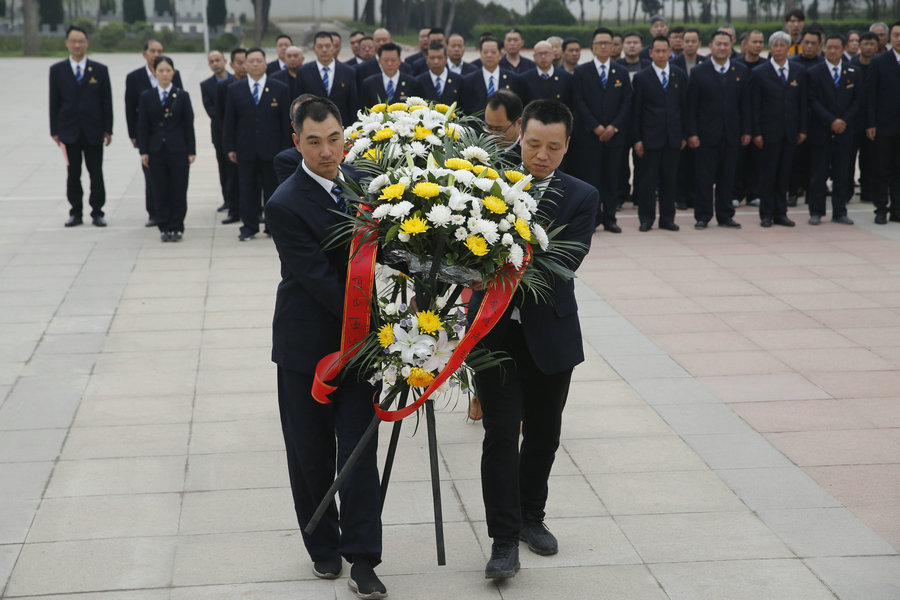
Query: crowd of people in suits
(657,124)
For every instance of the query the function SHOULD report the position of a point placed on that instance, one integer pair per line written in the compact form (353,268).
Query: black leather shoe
(243,237)
(783,221)
(730,223)
(231,219)
(365,582)
(612,228)
(669,226)
(681,205)
(792,200)
(815,220)
(539,539)
(176,236)
(98,221)
(74,221)
(330,568)
(504,559)
(700,225)
(879,220)
(843,220)
(222,208)
(150,223)
(645,227)
(766,222)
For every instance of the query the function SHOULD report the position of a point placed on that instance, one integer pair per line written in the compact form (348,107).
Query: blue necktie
(665,80)
(783,76)
(78,74)
(722,70)
(325,79)
(491,89)
(837,76)
(162,100)
(390,90)
(545,76)
(341,204)
(437,86)
(603,75)
(256,93)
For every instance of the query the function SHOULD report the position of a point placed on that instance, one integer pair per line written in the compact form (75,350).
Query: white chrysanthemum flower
(540,235)
(382,211)
(464,177)
(404,130)
(506,240)
(504,225)
(457,200)
(510,218)
(473,153)
(521,211)
(371,127)
(415,101)
(484,184)
(350,157)
(361,144)
(379,182)
(516,255)
(405,179)
(401,209)
(439,215)
(457,220)
(403,236)
(417,148)
(461,234)
(488,229)
(434,140)
(531,204)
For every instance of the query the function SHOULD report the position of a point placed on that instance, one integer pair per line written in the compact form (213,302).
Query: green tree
(2,8)
(216,13)
(652,7)
(550,11)
(111,35)
(108,7)
(133,11)
(812,13)
(162,6)
(51,12)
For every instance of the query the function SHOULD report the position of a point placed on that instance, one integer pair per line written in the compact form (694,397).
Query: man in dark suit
(477,87)
(456,48)
(778,96)
(390,85)
(354,38)
(659,105)
(81,119)
(810,55)
(601,93)
(687,161)
(293,60)
(307,326)
(659,26)
(883,127)
(255,129)
(835,99)
(327,78)
(689,58)
(633,63)
(718,124)
(546,82)
(282,43)
(543,340)
(208,86)
(868,46)
(232,186)
(287,161)
(412,61)
(438,84)
(747,173)
(513,61)
(136,83)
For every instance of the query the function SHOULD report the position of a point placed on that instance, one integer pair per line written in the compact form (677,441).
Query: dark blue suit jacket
(209,95)
(449,93)
(286,162)
(371,67)
(343,87)
(552,331)
(780,111)
(256,131)
(372,91)
(135,83)
(169,128)
(883,94)
(658,115)
(466,68)
(679,62)
(557,87)
(827,102)
(719,105)
(309,304)
(596,105)
(273,67)
(77,109)
(473,92)
(292,83)
(525,65)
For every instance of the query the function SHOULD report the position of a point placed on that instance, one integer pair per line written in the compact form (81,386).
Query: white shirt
(326,184)
(896,55)
(330,66)
(261,82)
(718,67)
(832,67)
(153,81)
(81,63)
(455,68)
(550,72)
(599,64)
(487,74)
(659,72)
(281,64)
(787,70)
(167,91)
(395,79)
(442,77)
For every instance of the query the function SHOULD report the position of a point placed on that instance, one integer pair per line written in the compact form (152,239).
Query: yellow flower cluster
(452,132)
(426,189)
(378,108)
(414,225)
(419,377)
(522,229)
(354,134)
(373,154)
(442,108)
(476,245)
(515,177)
(413,109)
(397,106)
(429,322)
(422,132)
(386,336)
(483,171)
(458,164)
(494,204)
(392,192)
(383,134)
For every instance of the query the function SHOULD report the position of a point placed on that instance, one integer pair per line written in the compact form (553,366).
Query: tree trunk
(356,10)
(30,19)
(634,12)
(99,12)
(451,16)
(258,22)
(728,11)
(619,12)
(369,12)
(687,10)
(174,16)
(12,13)
(581,3)
(439,15)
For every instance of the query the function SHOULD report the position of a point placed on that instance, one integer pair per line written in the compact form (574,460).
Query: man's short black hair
(743,37)
(568,41)
(508,100)
(516,30)
(677,29)
(600,30)
(322,34)
(814,29)
(868,35)
(298,101)
(436,45)
(894,24)
(633,33)
(162,58)
(797,13)
(337,35)
(285,36)
(485,40)
(150,41)
(389,47)
(77,28)
(662,38)
(547,112)
(717,33)
(366,37)
(317,109)
(256,49)
(692,30)
(357,32)
(436,31)
(837,36)
(237,51)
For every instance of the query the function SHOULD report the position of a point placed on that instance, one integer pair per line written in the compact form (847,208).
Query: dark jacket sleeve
(188,123)
(55,101)
(637,134)
(106,102)
(693,105)
(582,112)
(208,97)
(621,119)
(755,104)
(229,123)
(143,127)
(804,102)
(132,99)
(745,107)
(817,103)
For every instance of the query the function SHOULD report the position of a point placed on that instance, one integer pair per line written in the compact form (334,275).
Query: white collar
(168,91)
(832,67)
(718,67)
(326,184)
(81,63)
(659,71)
(395,78)
(442,76)
(261,82)
(785,67)
(281,64)
(549,73)
(486,73)
(151,76)
(329,65)
(896,54)
(599,64)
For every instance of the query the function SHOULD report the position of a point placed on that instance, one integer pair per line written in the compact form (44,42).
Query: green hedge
(535,33)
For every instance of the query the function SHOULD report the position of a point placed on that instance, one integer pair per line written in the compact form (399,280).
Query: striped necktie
(338,198)
(256,93)
(325,79)
(390,90)
(491,89)
(837,76)
(603,75)
(437,86)
(162,100)
(783,76)
(78,74)
(665,80)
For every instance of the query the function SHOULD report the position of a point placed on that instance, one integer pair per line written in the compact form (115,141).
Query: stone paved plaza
(733,435)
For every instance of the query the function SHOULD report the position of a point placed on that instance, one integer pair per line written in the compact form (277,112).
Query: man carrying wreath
(543,340)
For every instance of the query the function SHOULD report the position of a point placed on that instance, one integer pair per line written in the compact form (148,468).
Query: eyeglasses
(544,53)
(496,130)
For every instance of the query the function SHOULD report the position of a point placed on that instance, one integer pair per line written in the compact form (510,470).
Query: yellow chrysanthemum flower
(494,204)
(483,171)
(378,108)
(392,192)
(419,378)
(442,108)
(426,189)
(513,176)
(429,322)
(452,132)
(397,106)
(477,245)
(383,134)
(414,225)
(522,229)
(373,154)
(386,335)
(458,164)
(354,134)
(422,132)
(415,108)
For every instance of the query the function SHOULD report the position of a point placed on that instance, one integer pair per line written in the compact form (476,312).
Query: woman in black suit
(167,146)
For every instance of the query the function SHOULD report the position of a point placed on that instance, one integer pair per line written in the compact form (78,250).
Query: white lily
(411,345)
(440,353)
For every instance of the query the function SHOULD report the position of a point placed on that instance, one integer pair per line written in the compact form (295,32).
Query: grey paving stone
(127,441)
(633,455)
(144,594)
(776,488)
(736,451)
(97,477)
(133,410)
(287,590)
(639,367)
(860,578)
(238,470)
(460,543)
(8,555)
(611,421)
(437,586)
(74,343)
(693,419)
(602,583)
(818,532)
(664,492)
(226,511)
(254,435)
(411,502)
(16,513)
(31,445)
(677,390)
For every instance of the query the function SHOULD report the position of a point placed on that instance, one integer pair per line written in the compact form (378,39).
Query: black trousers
(254,176)
(603,174)
(659,166)
(746,174)
(799,177)
(223,162)
(867,167)
(832,156)
(514,478)
(318,439)
(149,204)
(887,177)
(687,177)
(715,167)
(93,160)
(169,183)
(777,158)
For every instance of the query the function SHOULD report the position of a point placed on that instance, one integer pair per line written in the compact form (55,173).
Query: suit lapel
(548,207)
